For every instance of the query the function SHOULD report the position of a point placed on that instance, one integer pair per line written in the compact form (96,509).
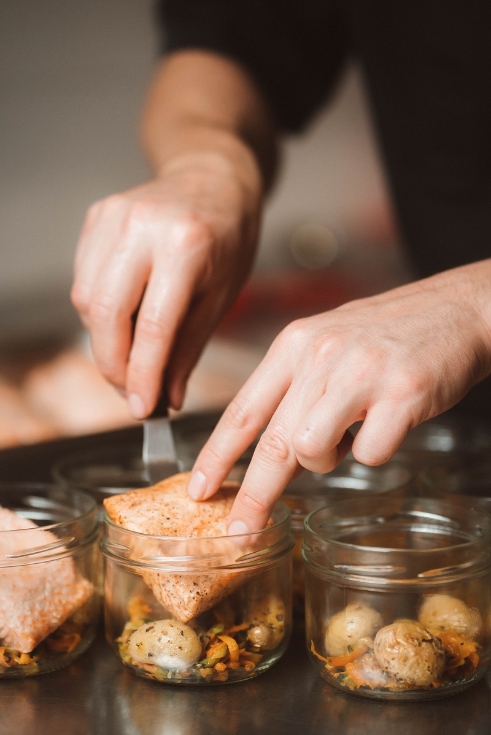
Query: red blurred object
(280,297)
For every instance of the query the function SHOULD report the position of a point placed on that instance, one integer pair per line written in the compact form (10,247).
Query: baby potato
(165,643)
(267,622)
(409,653)
(445,612)
(348,626)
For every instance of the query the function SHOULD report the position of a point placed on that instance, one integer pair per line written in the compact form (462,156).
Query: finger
(101,230)
(240,424)
(115,299)
(273,465)
(194,333)
(384,429)
(275,462)
(321,439)
(164,306)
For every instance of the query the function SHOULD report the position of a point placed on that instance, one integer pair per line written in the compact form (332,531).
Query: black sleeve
(293,49)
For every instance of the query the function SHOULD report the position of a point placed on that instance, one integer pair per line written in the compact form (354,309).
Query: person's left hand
(390,361)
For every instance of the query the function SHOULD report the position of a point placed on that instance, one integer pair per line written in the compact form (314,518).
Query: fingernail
(136,406)
(238,528)
(197,485)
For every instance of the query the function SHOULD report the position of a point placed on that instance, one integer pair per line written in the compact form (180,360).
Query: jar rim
(65,521)
(428,504)
(43,488)
(284,518)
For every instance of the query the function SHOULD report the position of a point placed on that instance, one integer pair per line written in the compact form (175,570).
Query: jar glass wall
(311,491)
(398,596)
(49,603)
(466,483)
(448,438)
(198,610)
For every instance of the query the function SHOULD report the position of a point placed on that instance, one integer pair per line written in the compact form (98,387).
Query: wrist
(198,148)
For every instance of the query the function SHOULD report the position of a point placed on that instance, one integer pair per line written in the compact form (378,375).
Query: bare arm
(180,246)
(200,100)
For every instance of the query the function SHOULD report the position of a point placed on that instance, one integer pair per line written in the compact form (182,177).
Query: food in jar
(167,650)
(38,601)
(403,655)
(166,509)
(447,613)
(198,625)
(347,627)
(165,643)
(267,623)
(409,653)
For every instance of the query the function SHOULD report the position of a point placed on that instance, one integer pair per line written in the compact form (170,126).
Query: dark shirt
(427,68)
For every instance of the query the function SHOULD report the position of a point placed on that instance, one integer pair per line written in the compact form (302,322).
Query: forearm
(202,103)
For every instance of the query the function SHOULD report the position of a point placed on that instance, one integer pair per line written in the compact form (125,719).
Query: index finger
(241,422)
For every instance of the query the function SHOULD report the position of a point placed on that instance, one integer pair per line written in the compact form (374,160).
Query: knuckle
(91,216)
(104,312)
(150,327)
(253,502)
(323,347)
(195,234)
(370,455)
(308,445)
(79,297)
(292,334)
(238,414)
(141,212)
(273,447)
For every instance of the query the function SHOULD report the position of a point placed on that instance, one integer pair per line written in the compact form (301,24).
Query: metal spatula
(159,450)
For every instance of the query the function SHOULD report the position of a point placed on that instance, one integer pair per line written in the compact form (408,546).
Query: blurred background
(72,79)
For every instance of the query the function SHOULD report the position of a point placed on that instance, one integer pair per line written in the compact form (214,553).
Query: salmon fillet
(35,599)
(167,510)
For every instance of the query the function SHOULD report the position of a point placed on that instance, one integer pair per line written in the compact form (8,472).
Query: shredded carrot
(233,647)
(460,649)
(217,650)
(348,658)
(238,628)
(220,666)
(474,659)
(339,661)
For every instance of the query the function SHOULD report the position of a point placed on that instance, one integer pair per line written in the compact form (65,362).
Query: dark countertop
(97,696)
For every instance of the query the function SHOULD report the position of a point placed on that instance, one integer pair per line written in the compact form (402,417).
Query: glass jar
(198,610)
(350,480)
(49,603)
(398,596)
(467,483)
(446,438)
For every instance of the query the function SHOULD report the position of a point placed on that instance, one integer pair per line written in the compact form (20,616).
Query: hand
(390,361)
(178,249)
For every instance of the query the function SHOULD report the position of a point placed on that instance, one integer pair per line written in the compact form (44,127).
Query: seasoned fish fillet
(35,599)
(167,510)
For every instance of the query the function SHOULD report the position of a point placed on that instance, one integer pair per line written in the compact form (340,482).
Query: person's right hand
(178,249)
